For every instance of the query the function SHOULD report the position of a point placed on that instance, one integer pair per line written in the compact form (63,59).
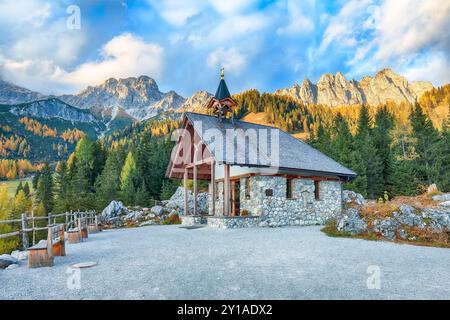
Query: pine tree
(382,141)
(21,204)
(141,197)
(26,189)
(107,185)
(426,140)
(128,179)
(61,180)
(44,191)
(19,188)
(368,164)
(168,188)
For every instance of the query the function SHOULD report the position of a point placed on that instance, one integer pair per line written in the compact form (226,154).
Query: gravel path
(168,262)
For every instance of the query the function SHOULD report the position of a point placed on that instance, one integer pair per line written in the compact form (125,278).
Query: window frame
(317,189)
(290,188)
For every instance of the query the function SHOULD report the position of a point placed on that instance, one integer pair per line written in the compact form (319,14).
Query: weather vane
(222,73)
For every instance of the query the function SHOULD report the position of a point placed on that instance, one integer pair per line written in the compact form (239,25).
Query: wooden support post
(226,189)
(50,242)
(213,188)
(195,189)
(24,232)
(185,182)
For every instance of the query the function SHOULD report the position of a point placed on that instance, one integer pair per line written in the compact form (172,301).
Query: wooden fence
(29,224)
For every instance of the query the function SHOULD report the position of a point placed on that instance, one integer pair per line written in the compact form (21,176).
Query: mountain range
(117,103)
(336,90)
(140,98)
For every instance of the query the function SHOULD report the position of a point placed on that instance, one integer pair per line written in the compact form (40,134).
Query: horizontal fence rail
(28,224)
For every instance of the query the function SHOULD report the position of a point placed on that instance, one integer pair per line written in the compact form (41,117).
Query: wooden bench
(93,226)
(80,232)
(41,255)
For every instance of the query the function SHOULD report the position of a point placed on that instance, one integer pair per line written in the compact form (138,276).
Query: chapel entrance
(236,197)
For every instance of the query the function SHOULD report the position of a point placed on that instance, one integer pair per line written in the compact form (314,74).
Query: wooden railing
(28,224)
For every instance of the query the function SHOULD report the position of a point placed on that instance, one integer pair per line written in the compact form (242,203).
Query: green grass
(12,185)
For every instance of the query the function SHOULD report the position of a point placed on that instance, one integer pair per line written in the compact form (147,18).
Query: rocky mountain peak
(336,90)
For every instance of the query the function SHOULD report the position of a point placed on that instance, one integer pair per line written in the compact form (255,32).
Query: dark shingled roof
(222,91)
(294,154)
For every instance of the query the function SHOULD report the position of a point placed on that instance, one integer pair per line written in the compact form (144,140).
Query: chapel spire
(222,103)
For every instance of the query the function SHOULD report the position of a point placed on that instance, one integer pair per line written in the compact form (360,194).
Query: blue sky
(263,44)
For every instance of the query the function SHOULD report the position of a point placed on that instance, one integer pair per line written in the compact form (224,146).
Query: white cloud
(177,12)
(123,56)
(407,26)
(435,66)
(231,59)
(346,24)
(298,22)
(231,6)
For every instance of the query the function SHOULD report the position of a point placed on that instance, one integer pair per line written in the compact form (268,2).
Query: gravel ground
(168,262)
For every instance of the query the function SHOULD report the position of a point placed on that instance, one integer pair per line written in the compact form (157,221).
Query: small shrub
(174,219)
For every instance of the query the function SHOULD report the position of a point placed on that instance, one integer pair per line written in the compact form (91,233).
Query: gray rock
(445,204)
(20,255)
(388,228)
(349,196)
(12,266)
(7,260)
(407,216)
(441,197)
(177,201)
(352,223)
(440,218)
(113,210)
(157,210)
(134,216)
(147,223)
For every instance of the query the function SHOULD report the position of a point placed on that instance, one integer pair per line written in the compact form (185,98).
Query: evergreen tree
(62,182)
(107,185)
(44,191)
(367,162)
(141,197)
(19,188)
(382,141)
(21,204)
(26,189)
(128,179)
(426,141)
(168,188)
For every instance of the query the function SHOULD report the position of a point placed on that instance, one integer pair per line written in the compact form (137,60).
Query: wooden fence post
(34,231)
(24,232)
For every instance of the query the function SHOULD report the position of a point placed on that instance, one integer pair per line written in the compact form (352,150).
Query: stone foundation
(192,220)
(232,222)
(267,201)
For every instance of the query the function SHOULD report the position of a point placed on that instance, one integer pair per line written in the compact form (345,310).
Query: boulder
(349,196)
(441,197)
(407,216)
(439,218)
(177,201)
(133,216)
(352,223)
(7,260)
(20,255)
(157,210)
(112,211)
(388,228)
(445,204)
